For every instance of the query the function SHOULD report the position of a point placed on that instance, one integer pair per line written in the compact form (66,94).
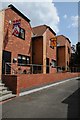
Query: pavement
(59,101)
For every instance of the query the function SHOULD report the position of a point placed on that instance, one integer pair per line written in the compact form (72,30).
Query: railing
(69,69)
(75,69)
(15,68)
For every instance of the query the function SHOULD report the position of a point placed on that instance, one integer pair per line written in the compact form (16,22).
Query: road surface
(59,101)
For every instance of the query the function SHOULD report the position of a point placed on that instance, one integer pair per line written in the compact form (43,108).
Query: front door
(6,58)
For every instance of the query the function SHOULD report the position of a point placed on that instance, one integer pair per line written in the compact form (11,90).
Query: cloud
(40,13)
(65,16)
(26,0)
(43,13)
(74,21)
(0,5)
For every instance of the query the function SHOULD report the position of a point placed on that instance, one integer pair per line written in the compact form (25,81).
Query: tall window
(23,60)
(68,50)
(22,33)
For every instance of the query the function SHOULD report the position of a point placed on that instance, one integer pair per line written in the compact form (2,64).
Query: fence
(11,68)
(15,68)
(75,69)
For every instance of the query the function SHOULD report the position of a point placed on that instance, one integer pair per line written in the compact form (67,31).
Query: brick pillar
(44,53)
(1,39)
(66,56)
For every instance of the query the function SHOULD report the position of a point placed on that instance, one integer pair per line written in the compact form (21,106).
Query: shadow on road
(73,102)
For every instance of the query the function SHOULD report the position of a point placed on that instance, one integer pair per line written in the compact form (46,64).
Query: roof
(39,30)
(18,12)
(64,37)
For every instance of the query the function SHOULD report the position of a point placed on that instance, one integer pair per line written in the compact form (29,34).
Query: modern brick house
(63,51)
(17,47)
(42,52)
(16,39)
(24,47)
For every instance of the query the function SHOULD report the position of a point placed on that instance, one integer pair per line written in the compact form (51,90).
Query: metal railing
(16,68)
(68,69)
(75,69)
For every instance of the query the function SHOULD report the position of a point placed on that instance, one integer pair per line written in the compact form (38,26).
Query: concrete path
(59,101)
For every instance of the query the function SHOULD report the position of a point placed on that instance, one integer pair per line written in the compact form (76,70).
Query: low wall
(25,81)
(11,82)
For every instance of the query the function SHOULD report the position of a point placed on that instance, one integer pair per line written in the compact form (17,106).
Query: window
(19,32)
(67,63)
(50,44)
(68,50)
(53,63)
(22,33)
(23,60)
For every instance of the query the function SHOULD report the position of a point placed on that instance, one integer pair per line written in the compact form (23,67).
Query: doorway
(6,58)
(47,65)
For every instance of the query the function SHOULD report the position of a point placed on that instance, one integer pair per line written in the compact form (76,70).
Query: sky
(62,17)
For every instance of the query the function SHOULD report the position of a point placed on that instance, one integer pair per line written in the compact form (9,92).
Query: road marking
(44,87)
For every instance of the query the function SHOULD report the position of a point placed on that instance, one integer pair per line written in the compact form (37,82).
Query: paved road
(60,101)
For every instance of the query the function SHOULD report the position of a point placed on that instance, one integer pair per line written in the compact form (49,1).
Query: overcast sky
(62,17)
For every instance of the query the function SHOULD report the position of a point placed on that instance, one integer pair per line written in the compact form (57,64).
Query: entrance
(6,58)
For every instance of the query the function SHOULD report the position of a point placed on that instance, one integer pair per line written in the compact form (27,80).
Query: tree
(75,58)
(78,53)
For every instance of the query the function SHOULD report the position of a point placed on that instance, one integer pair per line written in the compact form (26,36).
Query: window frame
(22,60)
(19,36)
(20,33)
(55,63)
(68,50)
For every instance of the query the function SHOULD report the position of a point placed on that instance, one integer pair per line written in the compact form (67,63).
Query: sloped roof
(18,12)
(64,37)
(39,30)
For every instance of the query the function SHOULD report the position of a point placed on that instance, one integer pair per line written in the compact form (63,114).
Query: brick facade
(63,51)
(37,48)
(11,43)
(42,52)
(51,53)
(17,83)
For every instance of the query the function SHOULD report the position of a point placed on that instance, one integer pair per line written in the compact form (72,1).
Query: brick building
(22,45)
(16,37)
(18,48)
(42,52)
(63,52)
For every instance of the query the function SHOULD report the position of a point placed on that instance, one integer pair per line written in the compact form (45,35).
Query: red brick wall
(51,53)
(61,56)
(37,50)
(13,43)
(11,82)
(18,82)
(62,41)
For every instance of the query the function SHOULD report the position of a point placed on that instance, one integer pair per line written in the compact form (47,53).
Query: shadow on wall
(73,102)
